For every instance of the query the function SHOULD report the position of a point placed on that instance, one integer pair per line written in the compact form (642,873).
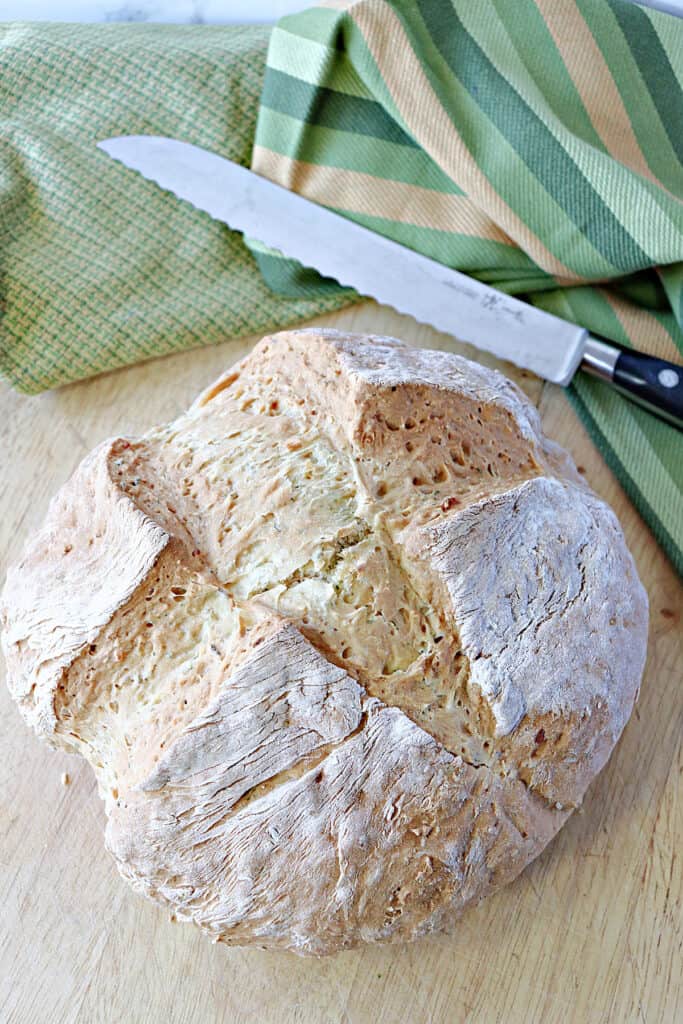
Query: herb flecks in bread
(344,644)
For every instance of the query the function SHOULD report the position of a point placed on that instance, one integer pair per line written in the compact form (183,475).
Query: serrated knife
(396,276)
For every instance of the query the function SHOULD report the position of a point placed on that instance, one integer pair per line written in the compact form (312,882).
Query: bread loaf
(344,644)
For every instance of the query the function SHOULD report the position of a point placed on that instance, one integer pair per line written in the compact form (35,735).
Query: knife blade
(394,275)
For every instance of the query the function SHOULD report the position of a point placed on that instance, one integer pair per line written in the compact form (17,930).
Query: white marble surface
(210,12)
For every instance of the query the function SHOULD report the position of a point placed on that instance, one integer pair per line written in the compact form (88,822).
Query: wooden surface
(591,932)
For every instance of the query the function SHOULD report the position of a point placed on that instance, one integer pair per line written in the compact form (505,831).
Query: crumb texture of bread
(344,644)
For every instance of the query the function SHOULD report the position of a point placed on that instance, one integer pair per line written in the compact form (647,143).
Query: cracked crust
(344,644)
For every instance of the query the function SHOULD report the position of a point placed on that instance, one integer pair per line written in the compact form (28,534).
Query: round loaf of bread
(344,644)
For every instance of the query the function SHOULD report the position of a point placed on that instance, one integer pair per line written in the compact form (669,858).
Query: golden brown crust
(345,643)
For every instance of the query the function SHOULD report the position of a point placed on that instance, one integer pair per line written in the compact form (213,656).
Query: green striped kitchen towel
(535,144)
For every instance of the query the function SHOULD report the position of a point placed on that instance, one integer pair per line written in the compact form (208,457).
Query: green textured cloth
(537,145)
(98,267)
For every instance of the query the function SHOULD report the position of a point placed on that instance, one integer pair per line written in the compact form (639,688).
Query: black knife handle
(654,383)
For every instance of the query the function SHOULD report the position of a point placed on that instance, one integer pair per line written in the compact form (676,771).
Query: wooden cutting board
(591,932)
